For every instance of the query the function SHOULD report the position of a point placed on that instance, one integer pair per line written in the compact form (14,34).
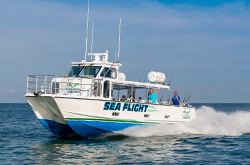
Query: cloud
(9,91)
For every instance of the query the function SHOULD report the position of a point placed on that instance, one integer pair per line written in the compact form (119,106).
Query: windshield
(109,72)
(90,71)
(73,71)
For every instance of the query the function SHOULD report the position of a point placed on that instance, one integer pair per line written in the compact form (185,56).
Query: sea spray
(208,121)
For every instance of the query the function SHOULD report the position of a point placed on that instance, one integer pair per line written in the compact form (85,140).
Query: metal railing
(55,84)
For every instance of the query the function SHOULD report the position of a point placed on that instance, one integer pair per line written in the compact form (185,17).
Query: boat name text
(126,107)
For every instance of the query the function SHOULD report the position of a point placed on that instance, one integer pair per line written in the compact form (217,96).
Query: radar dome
(156,77)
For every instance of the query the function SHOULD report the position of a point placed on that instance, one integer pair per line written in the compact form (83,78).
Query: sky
(203,47)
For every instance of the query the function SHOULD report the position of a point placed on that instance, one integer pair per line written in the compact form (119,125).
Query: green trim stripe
(111,120)
(153,110)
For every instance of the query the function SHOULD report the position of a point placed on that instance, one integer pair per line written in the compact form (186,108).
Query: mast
(87,29)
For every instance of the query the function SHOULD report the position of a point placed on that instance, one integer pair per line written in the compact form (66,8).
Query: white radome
(156,77)
(122,76)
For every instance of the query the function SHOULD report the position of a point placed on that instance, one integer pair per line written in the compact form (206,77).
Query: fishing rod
(169,91)
(170,79)
(191,92)
(168,101)
(186,94)
(136,75)
(142,74)
(146,75)
(187,100)
(179,91)
(161,95)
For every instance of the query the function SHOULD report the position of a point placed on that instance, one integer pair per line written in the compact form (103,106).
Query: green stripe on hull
(110,120)
(149,110)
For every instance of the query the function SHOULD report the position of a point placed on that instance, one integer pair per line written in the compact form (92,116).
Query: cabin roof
(140,84)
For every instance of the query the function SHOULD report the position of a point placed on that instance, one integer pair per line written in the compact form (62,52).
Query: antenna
(92,41)
(87,29)
(119,41)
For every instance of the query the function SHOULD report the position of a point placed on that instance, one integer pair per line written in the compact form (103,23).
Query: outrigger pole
(87,29)
(119,41)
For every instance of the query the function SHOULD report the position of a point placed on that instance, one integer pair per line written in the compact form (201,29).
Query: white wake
(208,121)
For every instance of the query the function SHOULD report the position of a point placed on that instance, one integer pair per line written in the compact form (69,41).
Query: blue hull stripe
(91,129)
(85,130)
(57,128)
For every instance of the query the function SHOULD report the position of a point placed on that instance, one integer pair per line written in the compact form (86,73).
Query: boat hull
(49,115)
(91,118)
(90,129)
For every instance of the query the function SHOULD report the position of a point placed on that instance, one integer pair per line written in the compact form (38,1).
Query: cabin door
(106,89)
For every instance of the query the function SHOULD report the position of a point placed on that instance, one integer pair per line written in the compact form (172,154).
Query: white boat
(86,100)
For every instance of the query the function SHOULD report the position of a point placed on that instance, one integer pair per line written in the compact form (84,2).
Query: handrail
(55,84)
(61,85)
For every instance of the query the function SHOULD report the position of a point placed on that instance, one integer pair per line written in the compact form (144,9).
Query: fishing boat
(87,100)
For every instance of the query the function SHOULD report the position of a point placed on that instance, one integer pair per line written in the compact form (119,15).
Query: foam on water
(208,121)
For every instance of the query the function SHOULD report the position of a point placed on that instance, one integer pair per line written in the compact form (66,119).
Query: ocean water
(220,134)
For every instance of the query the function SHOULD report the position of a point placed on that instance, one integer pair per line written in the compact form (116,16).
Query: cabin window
(55,87)
(106,88)
(73,71)
(108,72)
(90,71)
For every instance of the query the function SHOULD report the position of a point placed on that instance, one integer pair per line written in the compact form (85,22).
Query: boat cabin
(98,79)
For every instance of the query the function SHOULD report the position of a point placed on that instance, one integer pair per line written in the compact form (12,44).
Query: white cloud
(11,91)
(8,91)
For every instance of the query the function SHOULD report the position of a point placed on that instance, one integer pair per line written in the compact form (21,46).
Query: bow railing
(55,84)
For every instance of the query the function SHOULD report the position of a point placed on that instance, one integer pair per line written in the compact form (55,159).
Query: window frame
(109,69)
(67,74)
(89,76)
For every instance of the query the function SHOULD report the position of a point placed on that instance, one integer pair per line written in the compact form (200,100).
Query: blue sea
(220,134)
